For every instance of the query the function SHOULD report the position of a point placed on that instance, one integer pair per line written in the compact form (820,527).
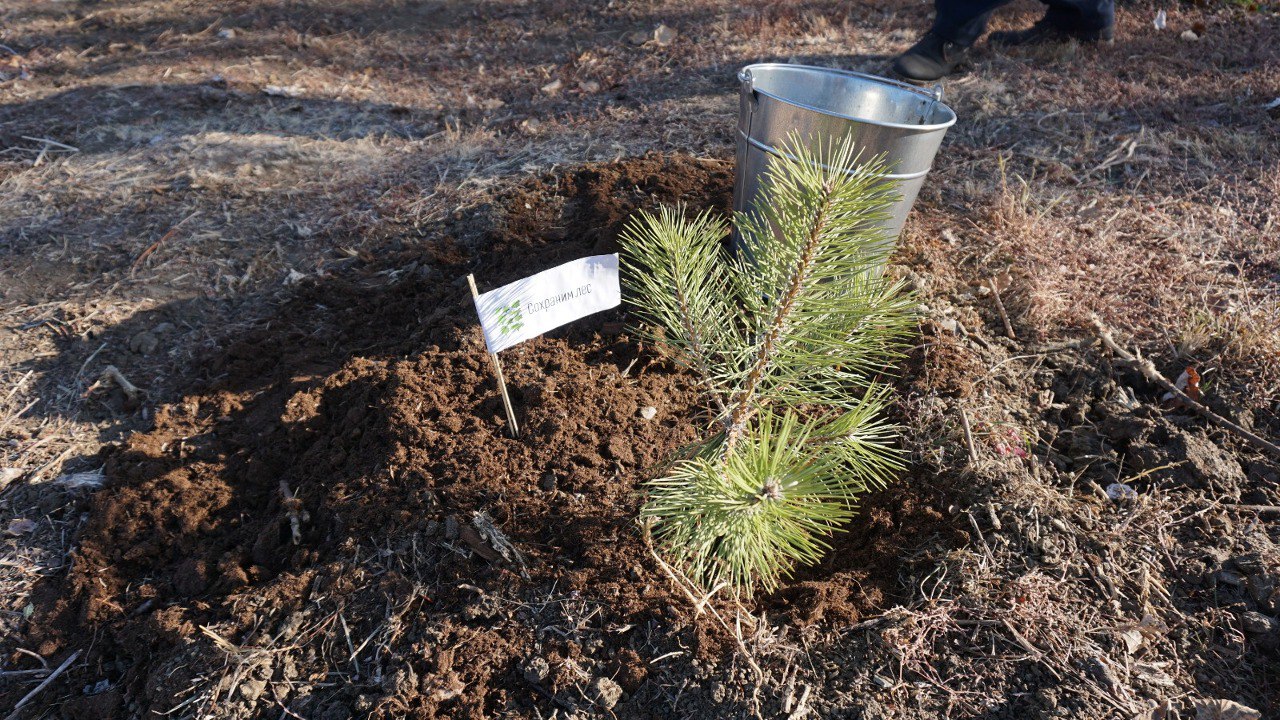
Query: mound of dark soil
(308,528)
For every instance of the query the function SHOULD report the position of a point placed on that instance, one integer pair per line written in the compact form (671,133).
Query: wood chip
(1217,709)
(19,527)
(472,538)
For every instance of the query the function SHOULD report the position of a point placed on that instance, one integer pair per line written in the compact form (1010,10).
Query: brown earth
(391,444)
(391,603)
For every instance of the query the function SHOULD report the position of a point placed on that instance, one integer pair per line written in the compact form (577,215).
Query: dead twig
(1121,155)
(1256,508)
(43,663)
(46,144)
(84,365)
(52,676)
(54,143)
(1036,653)
(1004,315)
(802,707)
(112,373)
(1149,371)
(156,245)
(968,436)
(675,580)
(293,508)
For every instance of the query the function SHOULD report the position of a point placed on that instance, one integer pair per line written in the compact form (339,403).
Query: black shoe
(929,59)
(1053,28)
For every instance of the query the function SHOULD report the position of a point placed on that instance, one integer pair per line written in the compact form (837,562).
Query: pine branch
(669,254)
(791,333)
(745,405)
(696,344)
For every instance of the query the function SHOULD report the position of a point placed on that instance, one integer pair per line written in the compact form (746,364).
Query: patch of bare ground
(191,189)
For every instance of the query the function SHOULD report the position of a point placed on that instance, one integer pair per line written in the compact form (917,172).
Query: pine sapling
(787,337)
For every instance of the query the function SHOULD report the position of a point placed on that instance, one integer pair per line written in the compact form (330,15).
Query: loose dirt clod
(604,692)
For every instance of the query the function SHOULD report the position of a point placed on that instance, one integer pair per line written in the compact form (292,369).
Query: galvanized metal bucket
(900,122)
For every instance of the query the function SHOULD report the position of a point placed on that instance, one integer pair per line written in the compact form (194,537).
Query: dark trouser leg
(962,21)
(1082,15)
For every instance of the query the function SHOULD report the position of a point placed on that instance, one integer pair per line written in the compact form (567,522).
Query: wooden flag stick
(497,366)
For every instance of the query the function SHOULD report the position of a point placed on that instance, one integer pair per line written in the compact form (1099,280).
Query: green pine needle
(787,339)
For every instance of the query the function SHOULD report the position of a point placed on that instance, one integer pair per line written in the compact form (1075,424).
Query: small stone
(19,527)
(1153,674)
(8,475)
(1255,623)
(485,607)
(589,86)
(1121,492)
(951,325)
(1101,673)
(1132,640)
(144,343)
(251,688)
(719,693)
(1226,577)
(535,669)
(553,87)
(227,33)
(1218,709)
(445,687)
(1261,588)
(284,91)
(604,692)
(1249,564)
(1190,35)
(290,626)
(663,35)
(401,682)
(548,482)
(648,412)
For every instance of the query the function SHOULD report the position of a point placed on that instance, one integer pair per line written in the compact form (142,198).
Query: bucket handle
(936,93)
(748,85)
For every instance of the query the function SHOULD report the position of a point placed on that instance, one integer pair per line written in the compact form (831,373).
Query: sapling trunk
(788,346)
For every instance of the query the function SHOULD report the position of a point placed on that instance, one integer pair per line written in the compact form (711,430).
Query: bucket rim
(744,75)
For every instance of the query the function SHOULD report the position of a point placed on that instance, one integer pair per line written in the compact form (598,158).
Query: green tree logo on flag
(510,318)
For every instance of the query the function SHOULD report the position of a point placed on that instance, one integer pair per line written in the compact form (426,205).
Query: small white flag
(527,308)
